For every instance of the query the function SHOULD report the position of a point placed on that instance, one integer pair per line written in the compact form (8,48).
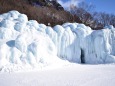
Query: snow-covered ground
(71,75)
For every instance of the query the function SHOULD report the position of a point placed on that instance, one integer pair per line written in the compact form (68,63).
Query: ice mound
(28,44)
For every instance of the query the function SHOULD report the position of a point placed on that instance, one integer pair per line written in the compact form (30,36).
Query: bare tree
(83,12)
(104,18)
(96,20)
(112,18)
(87,7)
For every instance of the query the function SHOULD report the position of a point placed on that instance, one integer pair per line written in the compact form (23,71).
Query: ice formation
(24,42)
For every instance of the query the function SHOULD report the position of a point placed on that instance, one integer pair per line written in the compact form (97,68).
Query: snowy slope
(73,75)
(27,44)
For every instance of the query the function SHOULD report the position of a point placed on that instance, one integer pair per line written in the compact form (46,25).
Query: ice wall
(24,42)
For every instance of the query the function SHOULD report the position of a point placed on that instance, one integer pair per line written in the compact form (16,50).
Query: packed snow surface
(72,75)
(27,44)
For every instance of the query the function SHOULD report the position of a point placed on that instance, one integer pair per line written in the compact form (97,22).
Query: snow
(70,75)
(26,44)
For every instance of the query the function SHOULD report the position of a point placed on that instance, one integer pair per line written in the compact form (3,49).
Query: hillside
(44,14)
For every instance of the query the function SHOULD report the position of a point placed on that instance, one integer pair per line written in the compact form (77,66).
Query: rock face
(49,3)
(43,14)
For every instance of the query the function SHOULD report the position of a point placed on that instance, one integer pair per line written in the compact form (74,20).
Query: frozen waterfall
(24,42)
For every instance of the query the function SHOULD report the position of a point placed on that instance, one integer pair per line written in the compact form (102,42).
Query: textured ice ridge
(24,42)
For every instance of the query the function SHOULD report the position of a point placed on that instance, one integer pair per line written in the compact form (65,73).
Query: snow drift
(26,43)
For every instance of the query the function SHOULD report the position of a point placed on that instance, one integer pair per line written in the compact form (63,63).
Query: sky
(107,6)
